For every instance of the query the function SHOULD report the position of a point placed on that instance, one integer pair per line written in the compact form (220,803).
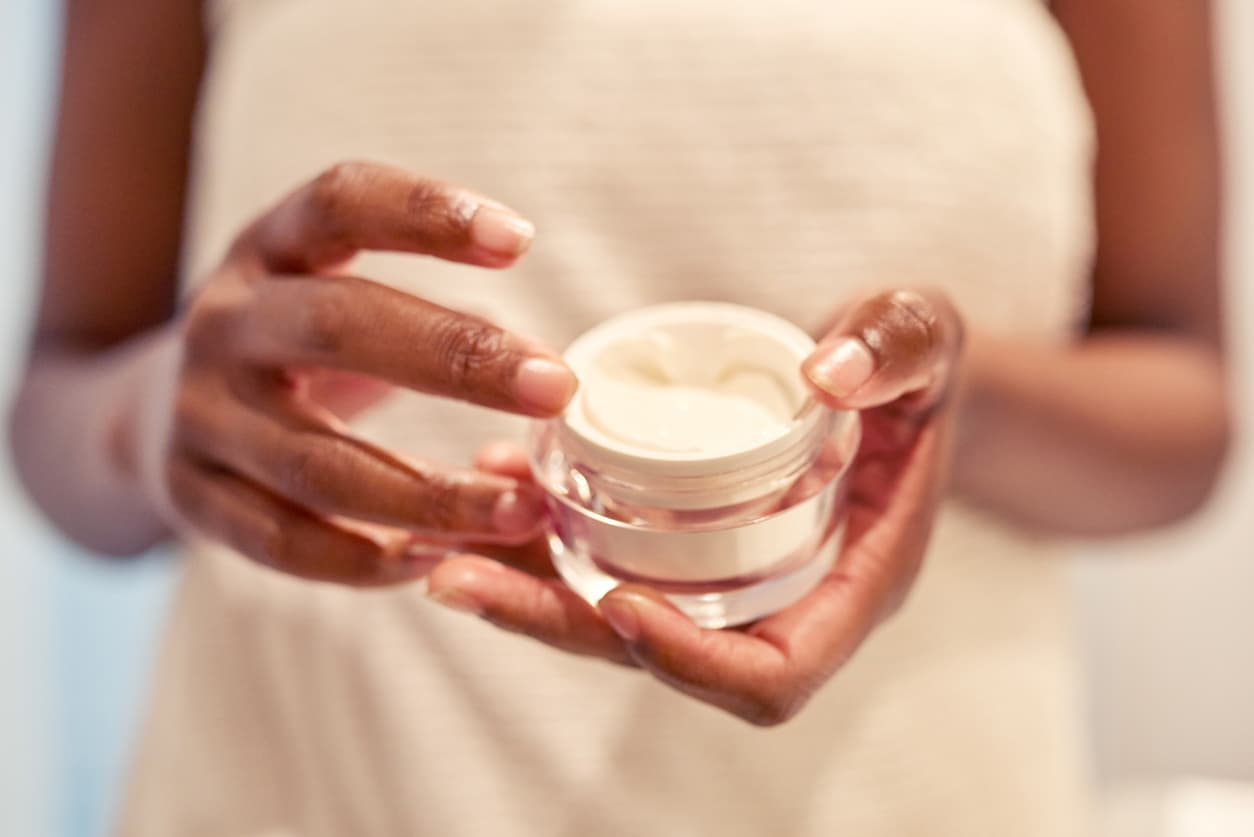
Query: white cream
(693,389)
(638,399)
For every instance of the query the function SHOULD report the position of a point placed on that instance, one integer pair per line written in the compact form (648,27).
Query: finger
(732,670)
(299,456)
(509,459)
(544,609)
(285,537)
(368,206)
(359,326)
(886,535)
(891,344)
(767,672)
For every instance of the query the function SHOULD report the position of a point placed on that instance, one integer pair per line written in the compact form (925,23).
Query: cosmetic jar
(693,460)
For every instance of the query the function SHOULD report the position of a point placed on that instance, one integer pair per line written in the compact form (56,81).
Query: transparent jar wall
(722,566)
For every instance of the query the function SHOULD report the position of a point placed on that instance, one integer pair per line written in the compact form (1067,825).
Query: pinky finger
(279,534)
(541,608)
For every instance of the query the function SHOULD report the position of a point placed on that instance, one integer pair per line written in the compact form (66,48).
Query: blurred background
(1167,622)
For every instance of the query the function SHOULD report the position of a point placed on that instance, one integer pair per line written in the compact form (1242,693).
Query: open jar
(694,460)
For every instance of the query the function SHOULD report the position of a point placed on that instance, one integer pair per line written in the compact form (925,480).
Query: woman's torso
(781,155)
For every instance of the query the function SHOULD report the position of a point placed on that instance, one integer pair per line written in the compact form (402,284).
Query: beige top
(777,154)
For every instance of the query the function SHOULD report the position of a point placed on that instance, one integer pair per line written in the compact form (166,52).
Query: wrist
(135,424)
(125,437)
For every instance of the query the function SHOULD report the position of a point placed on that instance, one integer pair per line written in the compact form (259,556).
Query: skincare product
(694,460)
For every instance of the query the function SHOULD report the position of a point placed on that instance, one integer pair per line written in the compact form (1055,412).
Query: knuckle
(467,350)
(301,473)
(274,544)
(321,323)
(331,199)
(200,409)
(329,192)
(208,323)
(442,499)
(437,214)
(913,305)
(773,709)
(903,323)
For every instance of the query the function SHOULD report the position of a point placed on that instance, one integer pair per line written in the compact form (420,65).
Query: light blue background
(76,633)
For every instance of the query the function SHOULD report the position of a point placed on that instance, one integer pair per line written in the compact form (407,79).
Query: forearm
(74,430)
(1118,432)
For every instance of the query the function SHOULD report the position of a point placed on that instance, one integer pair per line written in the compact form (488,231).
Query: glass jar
(694,460)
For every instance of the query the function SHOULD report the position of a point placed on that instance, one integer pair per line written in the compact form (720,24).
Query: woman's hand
(895,356)
(245,444)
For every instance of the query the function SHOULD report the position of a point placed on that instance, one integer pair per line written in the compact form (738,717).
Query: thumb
(889,345)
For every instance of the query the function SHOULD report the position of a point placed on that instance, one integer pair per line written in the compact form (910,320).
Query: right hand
(245,443)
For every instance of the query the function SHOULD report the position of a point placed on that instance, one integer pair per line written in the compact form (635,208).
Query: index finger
(368,206)
(356,325)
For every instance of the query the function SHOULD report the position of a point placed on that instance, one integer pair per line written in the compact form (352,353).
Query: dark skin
(128,422)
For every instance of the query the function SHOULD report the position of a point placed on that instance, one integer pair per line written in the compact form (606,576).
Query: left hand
(895,356)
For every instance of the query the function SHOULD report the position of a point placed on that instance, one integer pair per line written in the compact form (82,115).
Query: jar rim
(586,349)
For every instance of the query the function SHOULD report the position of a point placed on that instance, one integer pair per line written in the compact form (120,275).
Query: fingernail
(843,368)
(620,610)
(517,512)
(456,599)
(543,384)
(501,232)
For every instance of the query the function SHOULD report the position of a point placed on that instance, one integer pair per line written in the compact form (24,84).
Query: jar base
(718,607)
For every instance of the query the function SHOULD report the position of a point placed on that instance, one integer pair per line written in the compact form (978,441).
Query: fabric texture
(783,155)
